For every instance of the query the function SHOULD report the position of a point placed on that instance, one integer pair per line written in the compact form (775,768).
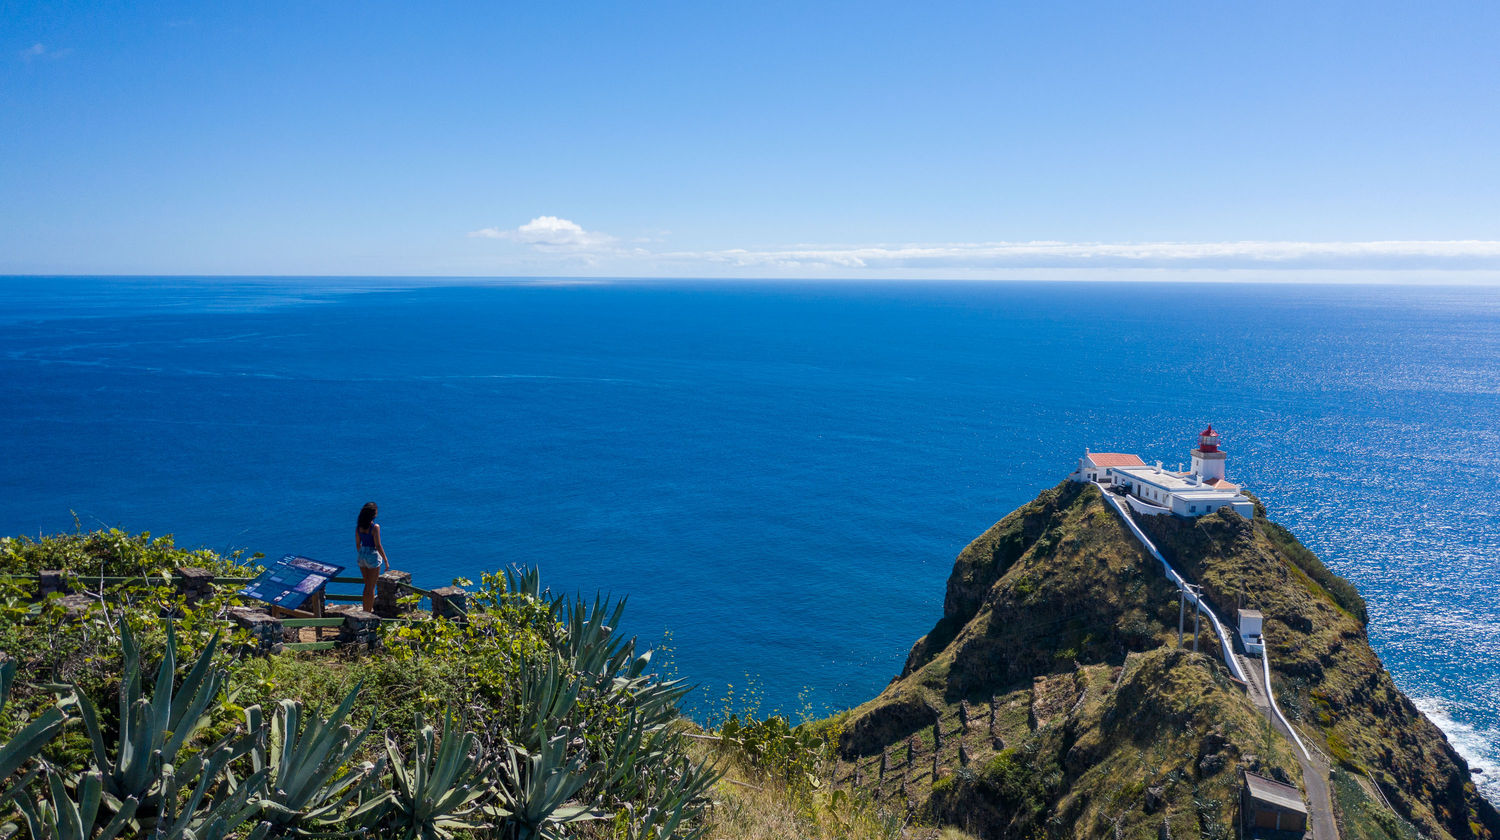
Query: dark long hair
(366,516)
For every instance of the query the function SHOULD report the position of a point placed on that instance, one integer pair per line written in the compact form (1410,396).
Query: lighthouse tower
(1208,459)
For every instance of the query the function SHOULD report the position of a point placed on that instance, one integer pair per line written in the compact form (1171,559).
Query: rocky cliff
(1052,700)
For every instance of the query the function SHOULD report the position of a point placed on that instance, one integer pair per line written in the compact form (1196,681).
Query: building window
(1192,509)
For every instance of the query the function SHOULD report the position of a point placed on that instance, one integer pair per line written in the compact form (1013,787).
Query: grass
(752,804)
(1361,816)
(1340,591)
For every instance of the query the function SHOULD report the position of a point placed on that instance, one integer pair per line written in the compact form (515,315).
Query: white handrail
(1265,659)
(1198,603)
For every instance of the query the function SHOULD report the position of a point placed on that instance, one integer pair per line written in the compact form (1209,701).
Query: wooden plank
(312,622)
(283,612)
(310,646)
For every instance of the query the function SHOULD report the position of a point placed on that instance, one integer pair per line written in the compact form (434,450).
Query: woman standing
(371,552)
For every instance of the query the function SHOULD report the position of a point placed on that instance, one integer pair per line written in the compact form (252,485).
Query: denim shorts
(369,558)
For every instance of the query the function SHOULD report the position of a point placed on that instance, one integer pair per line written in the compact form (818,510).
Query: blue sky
(1266,140)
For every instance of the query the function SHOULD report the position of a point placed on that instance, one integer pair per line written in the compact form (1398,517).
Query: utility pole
(1181,613)
(1197,611)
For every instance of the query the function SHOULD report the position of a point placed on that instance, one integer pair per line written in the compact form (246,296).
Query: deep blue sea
(779,474)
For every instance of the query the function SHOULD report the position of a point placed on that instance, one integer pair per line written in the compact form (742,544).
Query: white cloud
(39,51)
(550,233)
(1049,254)
(561,242)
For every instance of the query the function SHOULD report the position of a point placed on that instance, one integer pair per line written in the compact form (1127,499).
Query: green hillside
(1051,700)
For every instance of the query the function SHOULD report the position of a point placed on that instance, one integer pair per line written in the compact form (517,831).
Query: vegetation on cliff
(1329,681)
(532,719)
(1051,700)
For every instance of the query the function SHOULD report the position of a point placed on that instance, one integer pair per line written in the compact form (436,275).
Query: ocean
(778,475)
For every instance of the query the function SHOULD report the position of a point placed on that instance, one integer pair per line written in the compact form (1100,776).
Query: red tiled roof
(1115,459)
(1221,484)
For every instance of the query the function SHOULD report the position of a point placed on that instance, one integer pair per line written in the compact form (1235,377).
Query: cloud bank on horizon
(571,242)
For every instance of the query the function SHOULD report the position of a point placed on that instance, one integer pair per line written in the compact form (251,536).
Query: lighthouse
(1208,459)
(1152,491)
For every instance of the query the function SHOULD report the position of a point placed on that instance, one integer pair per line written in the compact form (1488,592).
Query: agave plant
(444,787)
(591,645)
(152,731)
(677,795)
(195,816)
(26,744)
(528,582)
(214,809)
(538,787)
(594,650)
(547,696)
(64,818)
(308,783)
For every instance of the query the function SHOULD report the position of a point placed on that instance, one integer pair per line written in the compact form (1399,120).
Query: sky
(1281,141)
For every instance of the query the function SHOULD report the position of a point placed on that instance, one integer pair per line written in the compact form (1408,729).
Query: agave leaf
(7,676)
(161,696)
(26,745)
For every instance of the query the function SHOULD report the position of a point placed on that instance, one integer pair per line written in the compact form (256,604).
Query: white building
(1250,631)
(1153,491)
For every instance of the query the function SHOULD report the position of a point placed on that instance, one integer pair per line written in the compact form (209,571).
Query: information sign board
(291,581)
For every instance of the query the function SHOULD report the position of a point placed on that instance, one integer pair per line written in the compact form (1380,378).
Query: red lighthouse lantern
(1208,441)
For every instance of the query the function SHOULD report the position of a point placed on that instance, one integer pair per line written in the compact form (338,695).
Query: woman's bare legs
(370,576)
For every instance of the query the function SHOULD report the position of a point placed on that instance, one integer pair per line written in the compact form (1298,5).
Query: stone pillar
(360,630)
(194,584)
(265,630)
(49,581)
(388,591)
(75,607)
(450,602)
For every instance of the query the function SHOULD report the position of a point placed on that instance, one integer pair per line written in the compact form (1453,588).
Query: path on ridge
(1314,773)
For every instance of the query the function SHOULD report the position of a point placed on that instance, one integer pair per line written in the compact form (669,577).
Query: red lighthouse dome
(1208,440)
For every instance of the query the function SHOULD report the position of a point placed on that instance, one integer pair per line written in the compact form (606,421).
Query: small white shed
(1250,632)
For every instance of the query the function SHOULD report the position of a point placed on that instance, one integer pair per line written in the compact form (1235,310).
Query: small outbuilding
(1269,804)
(1250,632)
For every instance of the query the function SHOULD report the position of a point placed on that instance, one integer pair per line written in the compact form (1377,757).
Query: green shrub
(1341,591)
